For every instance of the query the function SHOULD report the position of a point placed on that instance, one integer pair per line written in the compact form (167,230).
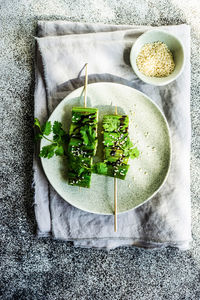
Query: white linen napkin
(62,49)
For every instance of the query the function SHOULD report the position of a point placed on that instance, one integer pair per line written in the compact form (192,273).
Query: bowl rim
(165,81)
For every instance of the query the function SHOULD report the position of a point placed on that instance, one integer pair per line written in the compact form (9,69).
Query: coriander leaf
(37,123)
(57,138)
(103,168)
(111,124)
(57,128)
(59,151)
(127,147)
(60,136)
(50,154)
(126,152)
(65,138)
(58,142)
(80,171)
(100,168)
(134,153)
(48,151)
(46,128)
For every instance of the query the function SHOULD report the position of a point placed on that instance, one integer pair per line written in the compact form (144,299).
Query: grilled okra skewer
(117,147)
(82,145)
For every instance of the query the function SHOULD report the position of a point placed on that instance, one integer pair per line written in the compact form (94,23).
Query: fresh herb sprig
(60,138)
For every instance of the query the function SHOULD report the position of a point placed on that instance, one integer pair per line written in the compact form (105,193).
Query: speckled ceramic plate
(148,130)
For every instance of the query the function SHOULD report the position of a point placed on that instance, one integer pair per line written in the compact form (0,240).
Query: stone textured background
(45,269)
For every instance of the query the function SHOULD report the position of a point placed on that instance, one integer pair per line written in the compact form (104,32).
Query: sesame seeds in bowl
(155,60)
(157,57)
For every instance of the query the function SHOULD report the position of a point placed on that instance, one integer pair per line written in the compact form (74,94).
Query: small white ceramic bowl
(173,44)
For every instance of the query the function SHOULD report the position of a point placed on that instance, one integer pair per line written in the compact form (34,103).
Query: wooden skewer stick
(115,195)
(115,200)
(85,87)
(85,92)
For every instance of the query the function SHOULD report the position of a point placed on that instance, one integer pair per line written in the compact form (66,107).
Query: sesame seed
(151,57)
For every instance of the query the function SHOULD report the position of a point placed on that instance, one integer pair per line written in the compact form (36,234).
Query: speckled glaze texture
(165,219)
(33,268)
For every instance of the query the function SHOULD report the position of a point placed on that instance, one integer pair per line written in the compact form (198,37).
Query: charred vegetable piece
(115,123)
(82,145)
(104,168)
(118,147)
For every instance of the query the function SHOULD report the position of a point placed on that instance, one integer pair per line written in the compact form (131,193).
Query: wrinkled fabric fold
(62,50)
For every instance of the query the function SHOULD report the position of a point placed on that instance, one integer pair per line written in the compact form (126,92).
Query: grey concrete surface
(46,269)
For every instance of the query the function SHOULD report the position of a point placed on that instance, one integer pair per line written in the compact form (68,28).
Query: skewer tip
(85,86)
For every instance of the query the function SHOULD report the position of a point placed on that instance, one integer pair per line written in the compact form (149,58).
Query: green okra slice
(115,123)
(104,168)
(117,147)
(82,145)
